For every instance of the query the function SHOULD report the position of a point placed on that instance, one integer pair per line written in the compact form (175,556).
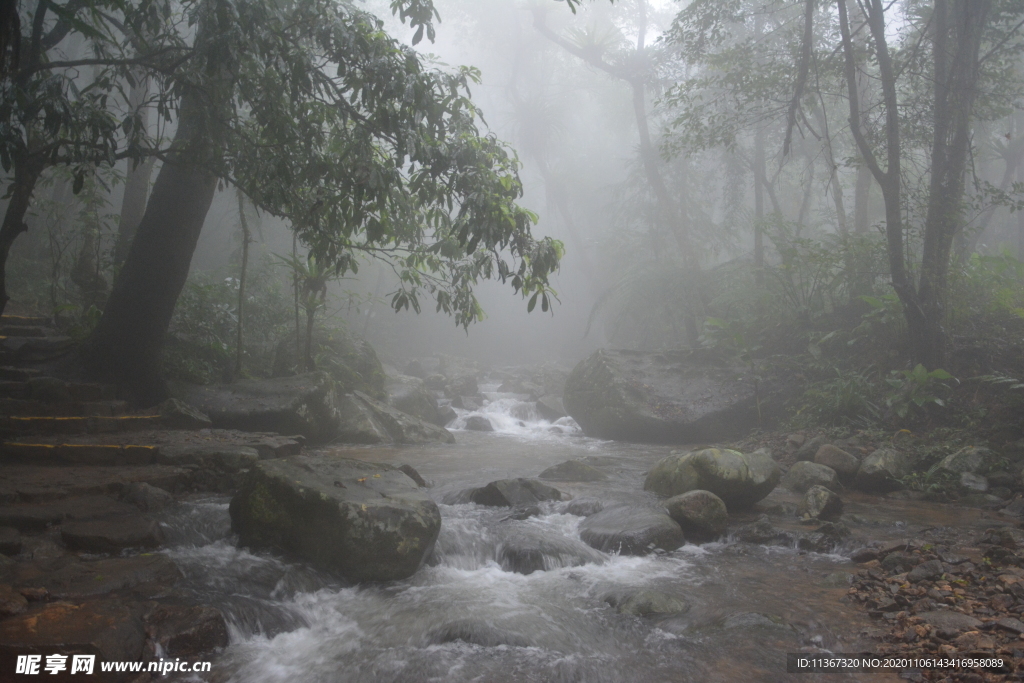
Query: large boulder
(739,479)
(682,396)
(301,404)
(700,514)
(803,475)
(352,363)
(820,503)
(365,420)
(631,530)
(412,397)
(573,470)
(973,459)
(366,521)
(882,471)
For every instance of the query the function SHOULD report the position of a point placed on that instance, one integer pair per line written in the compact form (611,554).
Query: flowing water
(466,616)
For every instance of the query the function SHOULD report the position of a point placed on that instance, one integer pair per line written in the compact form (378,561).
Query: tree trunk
(125,347)
(136,187)
(26,173)
(759,187)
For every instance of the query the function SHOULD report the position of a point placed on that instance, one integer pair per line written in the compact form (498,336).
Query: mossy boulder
(301,404)
(803,475)
(739,479)
(411,396)
(701,515)
(366,521)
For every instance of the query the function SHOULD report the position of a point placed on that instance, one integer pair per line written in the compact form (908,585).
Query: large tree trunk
(125,347)
(26,173)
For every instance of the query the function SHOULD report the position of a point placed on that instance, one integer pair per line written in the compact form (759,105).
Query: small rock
(700,514)
(862,555)
(514,493)
(1011,624)
(810,448)
(795,440)
(466,403)
(147,497)
(949,623)
(882,471)
(584,507)
(479,423)
(803,475)
(550,408)
(761,532)
(175,414)
(11,602)
(187,631)
(926,571)
(446,415)
(646,602)
(411,472)
(974,483)
(820,503)
(844,464)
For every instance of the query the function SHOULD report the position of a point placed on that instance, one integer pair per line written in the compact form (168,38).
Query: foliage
(848,397)
(918,388)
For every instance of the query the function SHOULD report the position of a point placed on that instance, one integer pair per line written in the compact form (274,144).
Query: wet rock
(862,555)
(738,479)
(948,624)
(973,459)
(1012,625)
(700,514)
(803,475)
(573,470)
(525,552)
(974,483)
(464,385)
(415,369)
(187,631)
(303,404)
(411,472)
(825,538)
(810,448)
(111,630)
(551,408)
(411,396)
(175,414)
(367,521)
(820,503)
(146,574)
(882,471)
(926,571)
(10,541)
(12,602)
(112,535)
(225,458)
(466,403)
(146,497)
(687,396)
(446,415)
(479,423)
(523,512)
(435,382)
(644,603)
(365,420)
(631,530)
(845,464)
(514,493)
(584,507)
(475,632)
(762,532)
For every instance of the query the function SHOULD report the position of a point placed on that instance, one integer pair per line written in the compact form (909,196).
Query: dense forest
(746,277)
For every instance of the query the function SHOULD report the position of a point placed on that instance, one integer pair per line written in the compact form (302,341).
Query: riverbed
(467,616)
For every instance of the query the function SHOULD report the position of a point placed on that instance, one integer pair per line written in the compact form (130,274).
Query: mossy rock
(351,363)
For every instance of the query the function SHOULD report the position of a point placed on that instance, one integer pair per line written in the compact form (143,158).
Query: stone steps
(39,483)
(7,330)
(23,320)
(76,454)
(81,424)
(12,407)
(20,350)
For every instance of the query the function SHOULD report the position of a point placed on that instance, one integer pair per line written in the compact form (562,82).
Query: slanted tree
(324,120)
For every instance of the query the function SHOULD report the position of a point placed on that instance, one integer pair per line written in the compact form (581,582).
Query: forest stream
(466,616)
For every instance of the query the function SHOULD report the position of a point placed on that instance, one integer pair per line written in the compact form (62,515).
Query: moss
(264,509)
